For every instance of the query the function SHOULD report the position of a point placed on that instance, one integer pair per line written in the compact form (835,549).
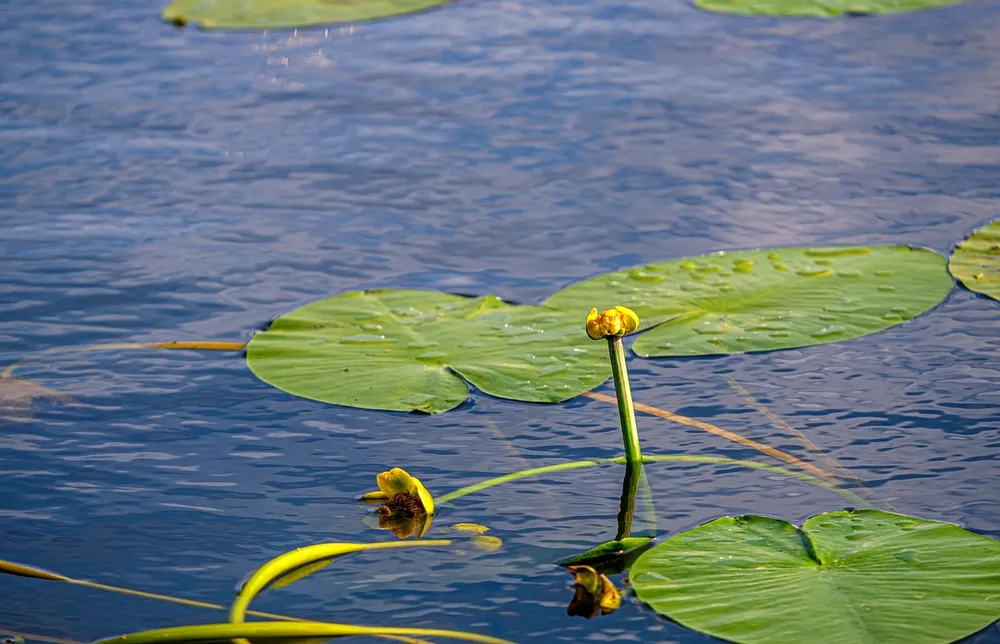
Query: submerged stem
(630,489)
(665,458)
(623,393)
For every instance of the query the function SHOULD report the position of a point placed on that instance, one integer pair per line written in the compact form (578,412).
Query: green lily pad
(761,300)
(819,8)
(976,261)
(409,350)
(854,577)
(287,14)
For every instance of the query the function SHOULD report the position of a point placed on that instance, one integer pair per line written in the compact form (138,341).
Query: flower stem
(630,489)
(623,392)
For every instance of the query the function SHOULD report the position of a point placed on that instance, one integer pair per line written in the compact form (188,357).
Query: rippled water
(158,184)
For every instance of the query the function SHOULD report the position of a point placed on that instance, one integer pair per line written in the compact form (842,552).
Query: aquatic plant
(749,579)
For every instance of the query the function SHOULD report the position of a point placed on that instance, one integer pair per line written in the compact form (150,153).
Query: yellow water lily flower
(612,323)
(407,506)
(594,593)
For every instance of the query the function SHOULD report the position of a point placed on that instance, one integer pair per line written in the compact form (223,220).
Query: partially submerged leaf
(287,14)
(819,8)
(976,261)
(762,300)
(409,350)
(593,593)
(857,577)
(610,557)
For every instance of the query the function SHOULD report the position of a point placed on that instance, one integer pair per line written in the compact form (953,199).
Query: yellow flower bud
(614,322)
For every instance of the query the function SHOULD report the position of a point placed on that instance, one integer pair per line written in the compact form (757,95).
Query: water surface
(158,184)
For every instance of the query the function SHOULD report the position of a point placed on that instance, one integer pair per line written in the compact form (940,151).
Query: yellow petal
(487,543)
(611,599)
(586,577)
(423,525)
(612,323)
(375,496)
(630,321)
(593,593)
(395,481)
(471,528)
(425,497)
(593,326)
(398,481)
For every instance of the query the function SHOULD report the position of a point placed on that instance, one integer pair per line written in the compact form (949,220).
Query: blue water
(162,184)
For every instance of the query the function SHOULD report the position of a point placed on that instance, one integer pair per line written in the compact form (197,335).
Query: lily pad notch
(419,350)
(857,577)
(414,350)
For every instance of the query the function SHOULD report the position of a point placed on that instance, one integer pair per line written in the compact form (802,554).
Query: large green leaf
(286,14)
(848,577)
(733,302)
(976,261)
(408,350)
(820,8)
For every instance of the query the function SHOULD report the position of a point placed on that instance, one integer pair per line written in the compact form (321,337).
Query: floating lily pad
(976,261)
(735,302)
(287,14)
(409,350)
(819,8)
(855,577)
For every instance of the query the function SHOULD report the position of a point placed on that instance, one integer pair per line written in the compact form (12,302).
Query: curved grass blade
(647,458)
(282,631)
(290,561)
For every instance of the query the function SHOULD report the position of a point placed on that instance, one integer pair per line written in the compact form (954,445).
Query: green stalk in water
(626,412)
(611,326)
(630,489)
(656,458)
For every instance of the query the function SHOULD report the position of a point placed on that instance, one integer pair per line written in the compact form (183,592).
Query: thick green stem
(630,489)
(623,392)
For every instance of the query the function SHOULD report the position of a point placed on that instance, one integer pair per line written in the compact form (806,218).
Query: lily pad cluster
(418,350)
